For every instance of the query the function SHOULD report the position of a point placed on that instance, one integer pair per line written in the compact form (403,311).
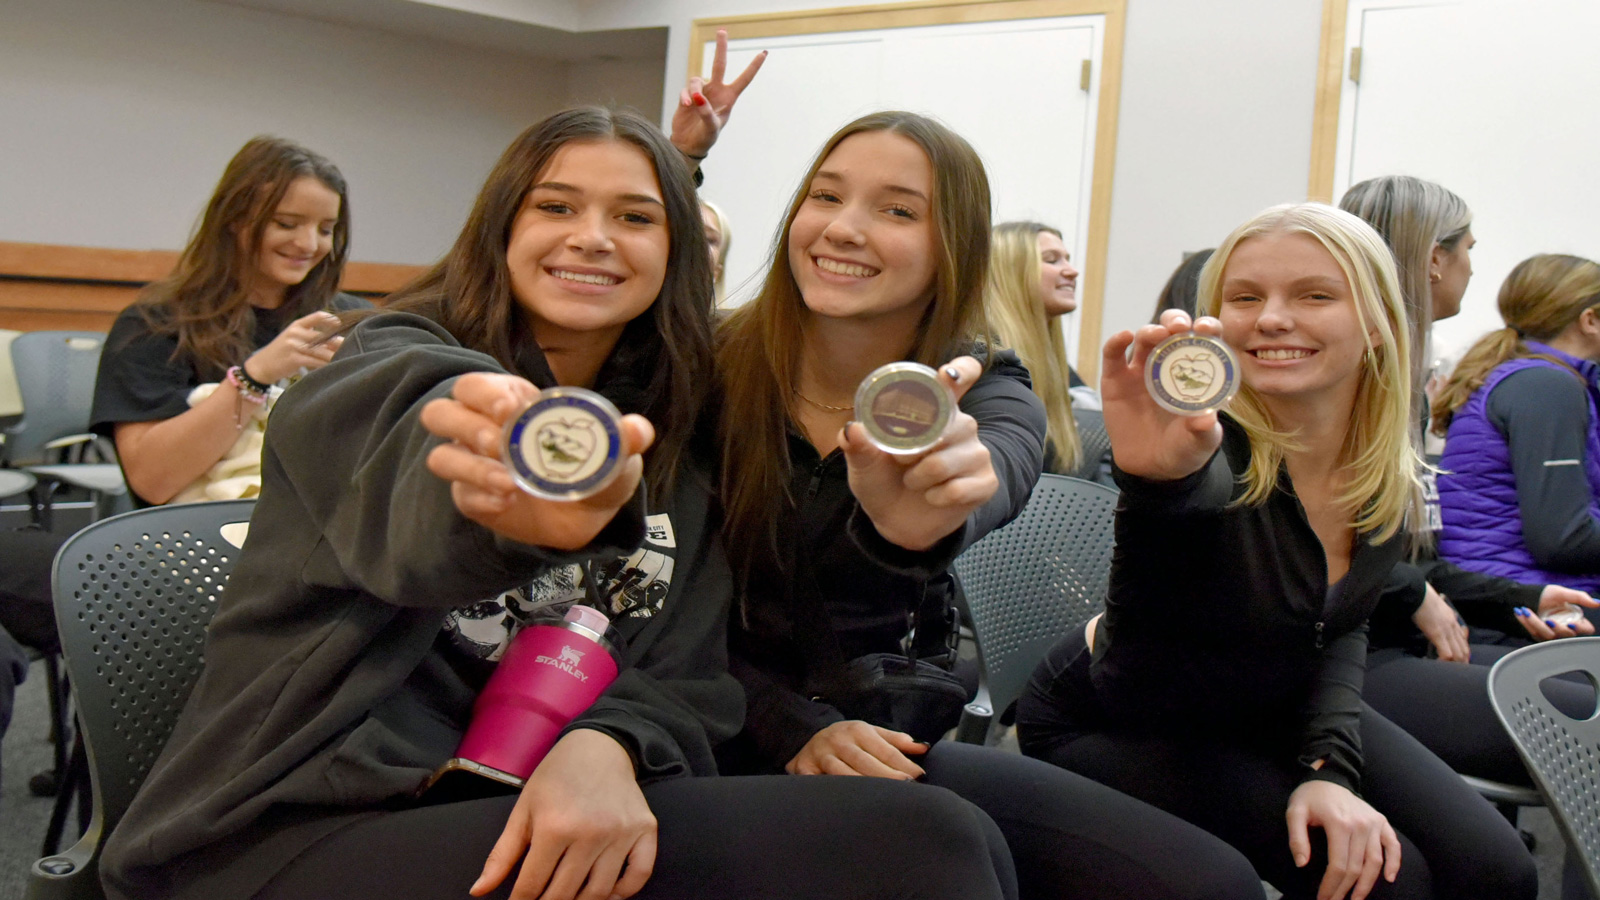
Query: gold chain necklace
(825,406)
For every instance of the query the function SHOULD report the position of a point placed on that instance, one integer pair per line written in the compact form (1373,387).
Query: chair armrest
(1501,793)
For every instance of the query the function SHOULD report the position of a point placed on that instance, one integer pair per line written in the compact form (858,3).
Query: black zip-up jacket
(832,556)
(1220,619)
(328,692)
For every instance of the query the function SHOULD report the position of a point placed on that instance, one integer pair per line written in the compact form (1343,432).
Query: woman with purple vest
(1520,489)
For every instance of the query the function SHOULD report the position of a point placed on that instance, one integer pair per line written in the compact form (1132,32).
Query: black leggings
(1446,706)
(1071,837)
(733,838)
(1453,843)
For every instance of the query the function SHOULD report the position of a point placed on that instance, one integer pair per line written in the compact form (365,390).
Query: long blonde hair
(720,275)
(1017,316)
(1541,298)
(758,352)
(1378,452)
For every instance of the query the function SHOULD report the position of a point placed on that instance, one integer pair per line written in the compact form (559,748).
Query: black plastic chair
(134,594)
(1561,753)
(1028,585)
(1095,464)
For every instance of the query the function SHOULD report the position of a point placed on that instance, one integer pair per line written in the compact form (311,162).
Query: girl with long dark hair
(882,258)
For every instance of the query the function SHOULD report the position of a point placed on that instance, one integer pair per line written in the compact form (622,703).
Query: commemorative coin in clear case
(1191,374)
(904,407)
(566,445)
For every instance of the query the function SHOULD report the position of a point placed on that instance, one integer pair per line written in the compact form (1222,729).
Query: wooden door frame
(954,12)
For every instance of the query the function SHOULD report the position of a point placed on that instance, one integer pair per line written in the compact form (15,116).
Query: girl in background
(1440,700)
(1520,480)
(253,293)
(1182,290)
(1031,284)
(719,239)
(1429,229)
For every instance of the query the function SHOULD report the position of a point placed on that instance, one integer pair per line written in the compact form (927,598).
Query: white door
(1012,89)
(1497,100)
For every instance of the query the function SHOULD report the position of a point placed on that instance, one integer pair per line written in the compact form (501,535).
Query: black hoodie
(331,686)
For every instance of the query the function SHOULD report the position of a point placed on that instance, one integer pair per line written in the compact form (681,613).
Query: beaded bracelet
(248,388)
(249,381)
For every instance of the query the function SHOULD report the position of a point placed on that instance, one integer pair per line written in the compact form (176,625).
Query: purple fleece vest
(1478,492)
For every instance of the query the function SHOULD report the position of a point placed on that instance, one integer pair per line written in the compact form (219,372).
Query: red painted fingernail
(699,99)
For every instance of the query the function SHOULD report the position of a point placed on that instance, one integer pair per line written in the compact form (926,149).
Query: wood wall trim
(1330,88)
(57,262)
(949,12)
(51,286)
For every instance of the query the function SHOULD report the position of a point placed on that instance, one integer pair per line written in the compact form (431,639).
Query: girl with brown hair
(1520,486)
(391,559)
(252,293)
(835,543)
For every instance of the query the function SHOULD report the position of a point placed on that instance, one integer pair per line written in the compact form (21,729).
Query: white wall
(118,117)
(1217,102)
(637,84)
(1215,125)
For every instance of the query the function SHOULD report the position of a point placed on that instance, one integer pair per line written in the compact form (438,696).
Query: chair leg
(48,784)
(41,498)
(75,779)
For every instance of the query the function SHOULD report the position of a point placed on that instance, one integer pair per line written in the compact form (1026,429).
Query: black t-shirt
(142,379)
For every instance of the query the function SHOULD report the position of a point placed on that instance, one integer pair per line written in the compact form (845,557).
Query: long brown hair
(758,353)
(1541,297)
(1017,316)
(668,352)
(205,301)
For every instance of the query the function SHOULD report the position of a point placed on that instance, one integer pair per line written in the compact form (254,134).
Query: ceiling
(529,28)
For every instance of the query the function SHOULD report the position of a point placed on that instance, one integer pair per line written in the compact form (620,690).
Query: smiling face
(1058,277)
(297,236)
(862,243)
(1289,312)
(1448,274)
(588,247)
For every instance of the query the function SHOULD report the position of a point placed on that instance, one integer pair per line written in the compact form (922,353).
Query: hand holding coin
(473,420)
(1148,438)
(924,489)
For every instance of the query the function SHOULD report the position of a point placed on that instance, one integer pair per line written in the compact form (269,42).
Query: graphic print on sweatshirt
(633,585)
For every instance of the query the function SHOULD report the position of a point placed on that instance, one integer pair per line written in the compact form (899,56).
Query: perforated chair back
(55,377)
(1561,753)
(1032,582)
(1096,443)
(134,594)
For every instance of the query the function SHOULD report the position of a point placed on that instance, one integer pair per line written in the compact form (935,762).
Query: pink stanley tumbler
(549,675)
